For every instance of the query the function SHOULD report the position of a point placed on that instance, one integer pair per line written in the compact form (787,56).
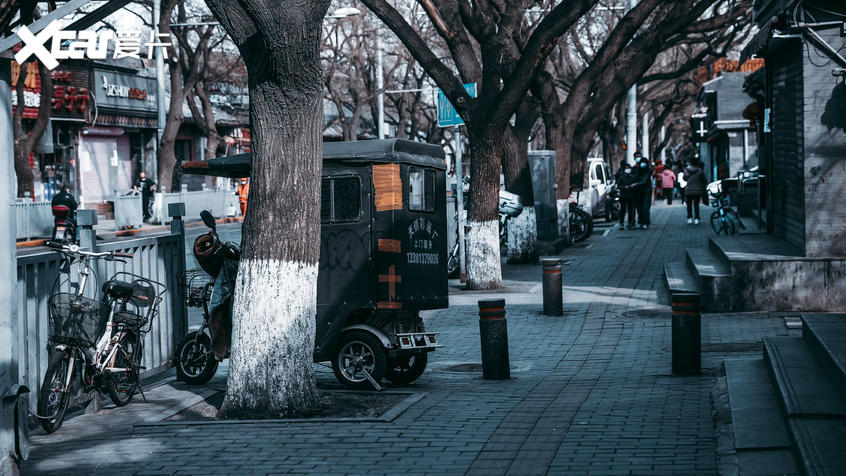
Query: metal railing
(128,211)
(218,202)
(160,258)
(33,219)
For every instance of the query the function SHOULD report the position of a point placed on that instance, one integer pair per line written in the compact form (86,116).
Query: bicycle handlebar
(74,250)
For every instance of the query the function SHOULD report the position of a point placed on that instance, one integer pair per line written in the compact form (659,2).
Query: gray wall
(825,152)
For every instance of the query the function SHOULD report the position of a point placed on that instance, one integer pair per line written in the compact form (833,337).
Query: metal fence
(128,211)
(160,258)
(218,202)
(33,220)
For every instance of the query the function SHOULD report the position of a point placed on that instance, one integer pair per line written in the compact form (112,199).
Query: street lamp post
(631,115)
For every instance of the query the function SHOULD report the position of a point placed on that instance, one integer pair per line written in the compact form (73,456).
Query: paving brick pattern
(591,392)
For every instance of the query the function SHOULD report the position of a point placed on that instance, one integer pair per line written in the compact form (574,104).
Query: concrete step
(825,334)
(714,276)
(806,389)
(819,445)
(679,278)
(758,420)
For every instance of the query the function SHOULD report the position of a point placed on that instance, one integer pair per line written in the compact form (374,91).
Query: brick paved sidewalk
(591,392)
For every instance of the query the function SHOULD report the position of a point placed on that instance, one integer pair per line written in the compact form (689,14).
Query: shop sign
(71,97)
(125,91)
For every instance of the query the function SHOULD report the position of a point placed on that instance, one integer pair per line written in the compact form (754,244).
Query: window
(421,189)
(598,173)
(340,199)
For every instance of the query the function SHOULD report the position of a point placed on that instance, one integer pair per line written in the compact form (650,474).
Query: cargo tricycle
(383,259)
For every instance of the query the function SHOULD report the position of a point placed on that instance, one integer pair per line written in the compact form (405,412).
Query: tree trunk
(271,371)
(25,140)
(483,258)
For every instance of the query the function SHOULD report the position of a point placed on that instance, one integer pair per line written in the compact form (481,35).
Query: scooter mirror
(208,219)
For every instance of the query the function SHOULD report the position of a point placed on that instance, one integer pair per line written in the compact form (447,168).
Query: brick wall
(786,178)
(825,150)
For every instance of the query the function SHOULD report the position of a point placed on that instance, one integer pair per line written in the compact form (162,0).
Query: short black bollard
(687,334)
(553,300)
(493,331)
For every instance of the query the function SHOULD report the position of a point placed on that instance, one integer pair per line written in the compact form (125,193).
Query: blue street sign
(447,115)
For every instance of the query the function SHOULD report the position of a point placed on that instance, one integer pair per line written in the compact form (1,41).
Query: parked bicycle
(96,344)
(724,219)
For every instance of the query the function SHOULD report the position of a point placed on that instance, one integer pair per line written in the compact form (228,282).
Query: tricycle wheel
(359,352)
(195,362)
(406,368)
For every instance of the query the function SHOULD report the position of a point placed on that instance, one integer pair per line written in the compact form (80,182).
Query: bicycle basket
(143,293)
(76,320)
(193,283)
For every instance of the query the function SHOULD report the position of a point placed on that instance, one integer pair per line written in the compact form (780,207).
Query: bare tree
(485,46)
(271,371)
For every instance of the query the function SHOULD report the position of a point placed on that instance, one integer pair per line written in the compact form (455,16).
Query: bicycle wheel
(716,223)
(52,401)
(123,382)
(735,218)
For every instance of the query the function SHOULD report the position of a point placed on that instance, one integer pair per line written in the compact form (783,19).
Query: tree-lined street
(592,391)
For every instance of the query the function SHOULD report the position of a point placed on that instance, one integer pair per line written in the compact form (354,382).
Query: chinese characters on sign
(70,99)
(66,44)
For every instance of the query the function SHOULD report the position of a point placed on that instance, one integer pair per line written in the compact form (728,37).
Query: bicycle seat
(117,289)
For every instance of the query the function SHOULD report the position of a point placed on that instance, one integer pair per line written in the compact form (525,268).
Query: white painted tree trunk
(274,311)
(522,236)
(483,259)
(564,219)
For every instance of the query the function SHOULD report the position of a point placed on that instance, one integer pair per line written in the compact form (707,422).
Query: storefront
(120,143)
(54,158)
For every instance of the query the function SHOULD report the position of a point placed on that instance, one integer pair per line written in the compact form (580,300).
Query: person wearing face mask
(643,200)
(627,185)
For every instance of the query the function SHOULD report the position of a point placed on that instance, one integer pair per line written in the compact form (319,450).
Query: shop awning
(233,166)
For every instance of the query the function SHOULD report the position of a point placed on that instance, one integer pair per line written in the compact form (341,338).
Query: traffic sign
(447,115)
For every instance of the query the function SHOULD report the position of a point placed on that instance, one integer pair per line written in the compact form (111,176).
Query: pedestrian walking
(668,182)
(243,193)
(693,191)
(644,194)
(627,185)
(656,179)
(146,187)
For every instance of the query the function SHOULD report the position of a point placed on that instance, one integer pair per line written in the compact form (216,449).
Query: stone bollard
(493,331)
(553,299)
(687,334)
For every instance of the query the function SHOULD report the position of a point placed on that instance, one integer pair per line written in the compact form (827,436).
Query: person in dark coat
(146,187)
(65,199)
(627,186)
(694,190)
(643,199)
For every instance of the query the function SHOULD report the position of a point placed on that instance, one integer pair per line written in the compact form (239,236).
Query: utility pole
(459,192)
(160,93)
(644,138)
(631,115)
(380,84)
(9,348)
